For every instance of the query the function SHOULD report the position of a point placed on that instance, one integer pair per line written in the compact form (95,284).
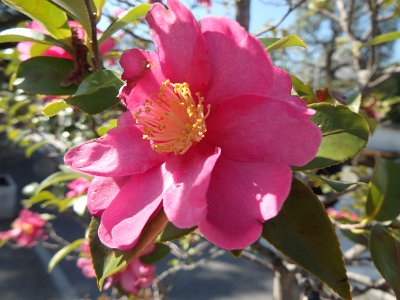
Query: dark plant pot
(8,197)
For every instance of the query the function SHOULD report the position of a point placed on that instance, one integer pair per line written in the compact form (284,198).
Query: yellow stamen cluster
(25,227)
(172,120)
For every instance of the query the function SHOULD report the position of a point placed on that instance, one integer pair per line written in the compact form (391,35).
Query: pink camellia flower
(25,229)
(77,187)
(24,48)
(134,277)
(216,132)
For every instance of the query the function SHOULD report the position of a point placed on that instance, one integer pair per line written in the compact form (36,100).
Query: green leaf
(344,134)
(97,92)
(31,149)
(160,251)
(40,197)
(303,232)
(63,252)
(124,19)
(383,195)
(57,178)
(303,90)
(107,262)
(77,10)
(337,185)
(357,236)
(24,34)
(236,253)
(354,103)
(172,233)
(290,40)
(49,16)
(43,75)
(385,253)
(53,108)
(268,41)
(105,127)
(384,38)
(98,80)
(96,102)
(99,7)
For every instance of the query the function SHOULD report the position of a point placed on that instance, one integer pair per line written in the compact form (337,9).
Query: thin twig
(289,11)
(98,65)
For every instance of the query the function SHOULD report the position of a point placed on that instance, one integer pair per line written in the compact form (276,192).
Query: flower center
(24,227)
(172,120)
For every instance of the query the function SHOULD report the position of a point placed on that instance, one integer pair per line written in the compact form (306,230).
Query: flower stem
(97,63)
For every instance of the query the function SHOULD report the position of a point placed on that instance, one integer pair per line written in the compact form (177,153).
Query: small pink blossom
(341,214)
(134,277)
(216,132)
(84,261)
(25,229)
(77,187)
(24,48)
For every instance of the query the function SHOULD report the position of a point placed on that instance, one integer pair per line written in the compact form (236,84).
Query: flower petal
(180,44)
(185,202)
(102,191)
(282,89)
(124,219)
(241,196)
(238,62)
(120,152)
(253,128)
(143,74)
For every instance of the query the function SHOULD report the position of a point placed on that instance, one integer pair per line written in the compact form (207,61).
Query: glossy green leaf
(62,253)
(49,16)
(290,40)
(43,75)
(344,134)
(303,232)
(98,80)
(171,232)
(160,251)
(96,102)
(77,10)
(384,38)
(337,185)
(124,19)
(385,253)
(107,262)
(57,178)
(383,195)
(303,90)
(53,108)
(31,149)
(24,34)
(97,92)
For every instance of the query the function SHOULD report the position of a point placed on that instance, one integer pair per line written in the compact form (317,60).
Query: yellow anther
(173,121)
